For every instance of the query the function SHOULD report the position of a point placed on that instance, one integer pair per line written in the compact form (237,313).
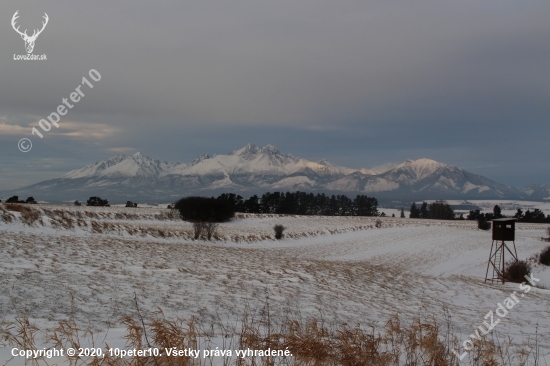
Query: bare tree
(198,228)
(210,228)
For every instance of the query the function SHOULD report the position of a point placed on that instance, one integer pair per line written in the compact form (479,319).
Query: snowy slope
(537,192)
(432,179)
(135,166)
(339,269)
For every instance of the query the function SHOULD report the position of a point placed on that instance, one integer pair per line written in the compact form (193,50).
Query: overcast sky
(360,83)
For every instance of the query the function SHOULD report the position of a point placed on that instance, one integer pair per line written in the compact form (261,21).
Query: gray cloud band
(63,109)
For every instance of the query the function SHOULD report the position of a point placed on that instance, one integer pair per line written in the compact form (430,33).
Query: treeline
(438,210)
(15,199)
(535,216)
(302,203)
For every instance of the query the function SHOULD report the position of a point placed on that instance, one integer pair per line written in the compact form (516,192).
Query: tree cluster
(15,199)
(535,216)
(439,210)
(204,209)
(97,201)
(302,203)
(487,216)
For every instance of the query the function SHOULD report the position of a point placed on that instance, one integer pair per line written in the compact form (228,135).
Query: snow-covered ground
(340,269)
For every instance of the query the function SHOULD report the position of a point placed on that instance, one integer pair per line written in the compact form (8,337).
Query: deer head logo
(29,41)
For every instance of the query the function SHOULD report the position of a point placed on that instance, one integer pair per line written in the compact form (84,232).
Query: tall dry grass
(5,215)
(311,342)
(29,215)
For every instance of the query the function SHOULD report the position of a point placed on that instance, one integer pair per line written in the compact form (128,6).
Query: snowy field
(339,269)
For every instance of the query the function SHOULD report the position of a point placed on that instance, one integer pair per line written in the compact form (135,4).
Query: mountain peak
(422,164)
(250,151)
(269,149)
(414,170)
(200,158)
(422,161)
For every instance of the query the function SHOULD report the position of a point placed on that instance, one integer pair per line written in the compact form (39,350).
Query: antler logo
(29,41)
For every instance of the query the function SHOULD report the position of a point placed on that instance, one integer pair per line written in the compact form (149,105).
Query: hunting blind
(503,231)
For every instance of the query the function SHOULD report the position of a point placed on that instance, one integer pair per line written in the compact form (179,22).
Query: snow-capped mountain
(254,169)
(537,192)
(424,178)
(130,168)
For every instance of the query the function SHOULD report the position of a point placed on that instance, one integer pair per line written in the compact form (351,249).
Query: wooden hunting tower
(503,231)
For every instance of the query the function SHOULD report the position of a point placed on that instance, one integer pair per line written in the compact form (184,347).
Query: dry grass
(309,342)
(17,207)
(61,219)
(29,215)
(5,215)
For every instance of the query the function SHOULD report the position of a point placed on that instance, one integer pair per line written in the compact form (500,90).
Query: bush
(548,231)
(378,223)
(97,201)
(544,256)
(279,229)
(77,203)
(483,224)
(13,199)
(203,209)
(131,204)
(516,271)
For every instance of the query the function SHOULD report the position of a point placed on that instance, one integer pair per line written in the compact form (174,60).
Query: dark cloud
(358,82)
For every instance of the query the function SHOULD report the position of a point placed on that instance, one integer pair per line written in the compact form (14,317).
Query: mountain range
(255,170)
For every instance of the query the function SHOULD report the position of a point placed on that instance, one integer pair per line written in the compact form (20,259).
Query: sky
(359,82)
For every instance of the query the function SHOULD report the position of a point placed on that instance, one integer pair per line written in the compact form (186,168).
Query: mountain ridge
(253,169)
